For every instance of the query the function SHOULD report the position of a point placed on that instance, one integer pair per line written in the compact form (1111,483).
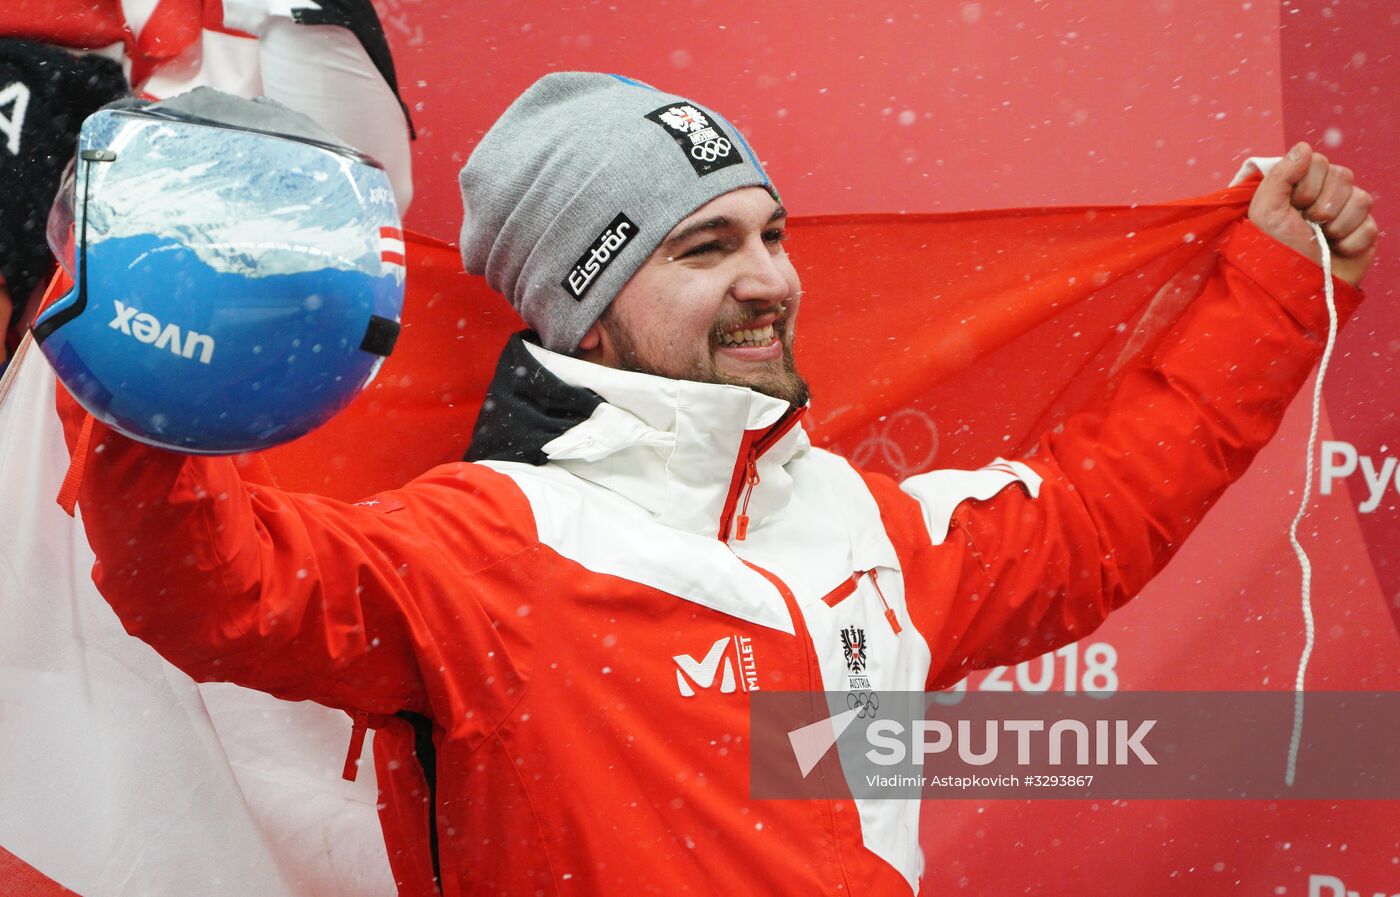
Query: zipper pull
(889,611)
(742,530)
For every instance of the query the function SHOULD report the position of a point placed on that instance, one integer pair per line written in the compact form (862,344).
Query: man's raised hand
(1305,187)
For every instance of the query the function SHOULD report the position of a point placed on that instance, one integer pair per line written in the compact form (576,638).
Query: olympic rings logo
(882,444)
(866,703)
(711,150)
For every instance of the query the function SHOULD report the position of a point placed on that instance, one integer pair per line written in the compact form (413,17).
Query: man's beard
(785,384)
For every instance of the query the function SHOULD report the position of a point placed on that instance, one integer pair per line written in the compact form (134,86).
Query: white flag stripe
(72,680)
(388,244)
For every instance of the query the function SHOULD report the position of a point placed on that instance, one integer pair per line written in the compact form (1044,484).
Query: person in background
(45,93)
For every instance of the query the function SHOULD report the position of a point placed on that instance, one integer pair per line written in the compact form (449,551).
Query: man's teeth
(759,336)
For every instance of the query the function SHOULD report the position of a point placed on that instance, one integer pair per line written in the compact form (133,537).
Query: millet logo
(725,654)
(147,329)
(600,254)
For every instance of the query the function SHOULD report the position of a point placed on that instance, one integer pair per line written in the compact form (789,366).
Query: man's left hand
(1305,187)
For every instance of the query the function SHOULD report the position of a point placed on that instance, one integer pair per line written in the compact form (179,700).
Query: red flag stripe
(23,880)
(391,258)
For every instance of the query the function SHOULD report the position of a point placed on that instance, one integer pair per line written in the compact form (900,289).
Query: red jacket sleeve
(355,606)
(1121,485)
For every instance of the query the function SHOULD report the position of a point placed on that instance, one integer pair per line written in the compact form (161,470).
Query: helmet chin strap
(1308,629)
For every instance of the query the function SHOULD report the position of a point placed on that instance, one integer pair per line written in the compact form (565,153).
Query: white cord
(1303,508)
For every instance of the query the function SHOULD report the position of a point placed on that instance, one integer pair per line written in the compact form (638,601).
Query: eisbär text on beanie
(578,182)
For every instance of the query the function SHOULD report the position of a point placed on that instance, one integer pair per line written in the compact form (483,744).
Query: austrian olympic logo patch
(706,146)
(853,645)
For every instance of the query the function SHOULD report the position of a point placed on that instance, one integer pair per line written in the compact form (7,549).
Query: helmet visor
(242,202)
(62,242)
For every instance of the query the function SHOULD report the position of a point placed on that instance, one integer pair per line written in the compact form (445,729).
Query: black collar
(526,408)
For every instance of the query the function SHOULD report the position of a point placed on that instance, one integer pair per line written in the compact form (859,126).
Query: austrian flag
(391,250)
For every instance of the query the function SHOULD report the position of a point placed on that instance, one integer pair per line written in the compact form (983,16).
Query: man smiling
(557,641)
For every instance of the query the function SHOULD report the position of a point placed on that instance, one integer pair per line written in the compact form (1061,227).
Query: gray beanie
(578,182)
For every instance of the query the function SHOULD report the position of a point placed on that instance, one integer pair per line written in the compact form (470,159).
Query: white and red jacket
(579,617)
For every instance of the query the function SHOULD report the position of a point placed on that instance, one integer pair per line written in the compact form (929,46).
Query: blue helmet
(238,273)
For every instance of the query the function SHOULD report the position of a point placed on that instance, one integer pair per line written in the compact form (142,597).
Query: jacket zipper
(745,478)
(750,481)
(889,611)
(814,688)
(847,588)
